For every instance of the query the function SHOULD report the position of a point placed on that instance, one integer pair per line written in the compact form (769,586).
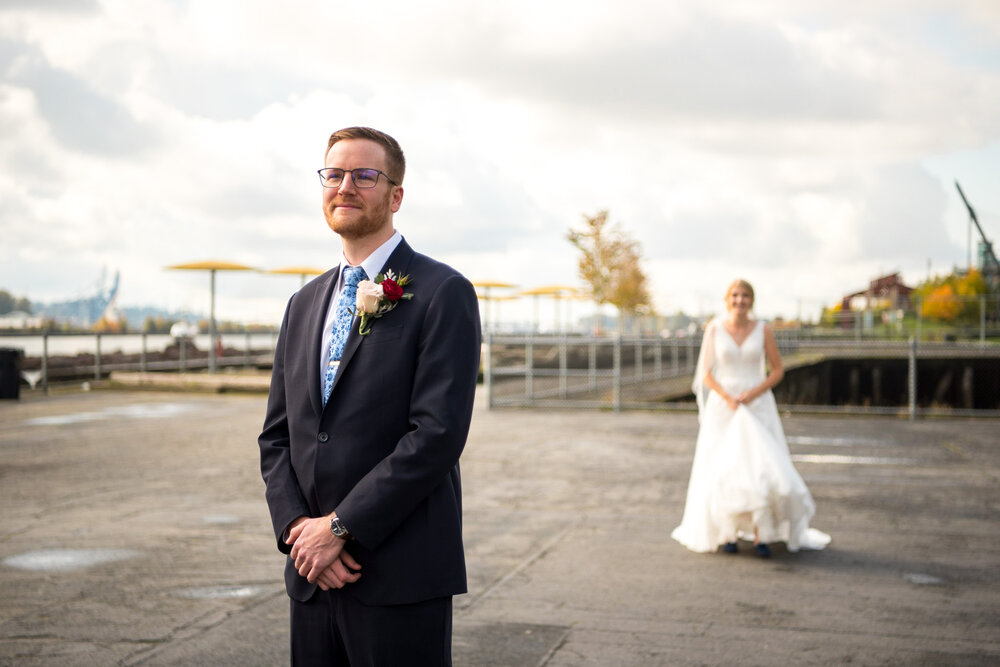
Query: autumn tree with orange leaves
(610,265)
(953,297)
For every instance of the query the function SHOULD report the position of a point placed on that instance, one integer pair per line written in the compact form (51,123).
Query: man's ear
(397,198)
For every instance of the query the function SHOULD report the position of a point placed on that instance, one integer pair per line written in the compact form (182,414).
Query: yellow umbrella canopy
(566,289)
(491,283)
(487,285)
(301,271)
(550,290)
(211,266)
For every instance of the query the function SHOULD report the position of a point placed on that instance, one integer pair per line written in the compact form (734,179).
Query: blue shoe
(763,550)
(730,548)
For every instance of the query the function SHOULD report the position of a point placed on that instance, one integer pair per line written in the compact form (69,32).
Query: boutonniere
(377,297)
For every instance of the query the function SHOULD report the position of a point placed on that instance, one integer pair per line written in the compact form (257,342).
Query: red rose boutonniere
(377,297)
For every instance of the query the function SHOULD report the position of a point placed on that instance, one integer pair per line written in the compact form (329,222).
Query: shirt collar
(374,262)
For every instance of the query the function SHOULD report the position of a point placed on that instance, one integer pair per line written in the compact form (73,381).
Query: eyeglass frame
(354,182)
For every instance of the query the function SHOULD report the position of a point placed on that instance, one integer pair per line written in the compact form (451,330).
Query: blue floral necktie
(342,324)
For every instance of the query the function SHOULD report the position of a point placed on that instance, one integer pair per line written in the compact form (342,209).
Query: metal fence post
(982,319)
(529,368)
(45,363)
(97,359)
(912,379)
(562,366)
(592,364)
(488,368)
(618,372)
(920,316)
(142,357)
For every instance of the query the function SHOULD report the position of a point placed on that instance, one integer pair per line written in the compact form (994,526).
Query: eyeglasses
(332,177)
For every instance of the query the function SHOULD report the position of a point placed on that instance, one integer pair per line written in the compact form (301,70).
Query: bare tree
(610,265)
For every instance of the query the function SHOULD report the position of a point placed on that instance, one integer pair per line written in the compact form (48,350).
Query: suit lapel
(398,261)
(314,327)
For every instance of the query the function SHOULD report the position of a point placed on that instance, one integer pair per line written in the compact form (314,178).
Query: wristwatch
(338,528)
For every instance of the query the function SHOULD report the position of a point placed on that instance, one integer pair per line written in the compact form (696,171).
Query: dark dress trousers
(384,450)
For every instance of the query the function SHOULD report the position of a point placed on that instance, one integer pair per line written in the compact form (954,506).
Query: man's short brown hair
(395,161)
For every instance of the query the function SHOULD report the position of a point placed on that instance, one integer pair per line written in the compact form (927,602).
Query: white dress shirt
(372,265)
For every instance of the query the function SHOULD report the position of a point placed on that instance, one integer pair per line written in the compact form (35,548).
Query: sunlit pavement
(135,533)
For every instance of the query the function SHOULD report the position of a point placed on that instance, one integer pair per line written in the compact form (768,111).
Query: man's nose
(347,182)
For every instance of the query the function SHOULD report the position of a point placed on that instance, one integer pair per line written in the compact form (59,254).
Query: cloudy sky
(807,146)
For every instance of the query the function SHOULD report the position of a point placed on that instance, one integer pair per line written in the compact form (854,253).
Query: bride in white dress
(743,483)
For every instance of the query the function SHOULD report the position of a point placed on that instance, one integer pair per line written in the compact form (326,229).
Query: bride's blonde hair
(739,282)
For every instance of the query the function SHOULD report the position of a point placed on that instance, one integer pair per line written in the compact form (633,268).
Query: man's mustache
(345,201)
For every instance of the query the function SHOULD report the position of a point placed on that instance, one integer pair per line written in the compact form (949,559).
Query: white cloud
(805,146)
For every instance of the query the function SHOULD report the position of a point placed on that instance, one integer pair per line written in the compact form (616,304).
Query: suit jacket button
(323,437)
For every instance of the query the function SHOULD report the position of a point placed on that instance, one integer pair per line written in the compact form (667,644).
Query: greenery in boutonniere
(377,297)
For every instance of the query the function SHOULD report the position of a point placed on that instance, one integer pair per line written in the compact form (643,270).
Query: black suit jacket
(384,451)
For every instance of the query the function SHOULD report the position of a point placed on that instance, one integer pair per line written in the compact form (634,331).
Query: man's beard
(372,219)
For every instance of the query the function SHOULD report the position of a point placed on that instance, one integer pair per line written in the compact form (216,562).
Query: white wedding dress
(742,475)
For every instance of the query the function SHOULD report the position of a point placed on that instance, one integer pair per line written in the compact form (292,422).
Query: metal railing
(579,371)
(82,356)
(651,373)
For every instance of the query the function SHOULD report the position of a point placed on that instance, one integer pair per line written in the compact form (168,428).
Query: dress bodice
(738,363)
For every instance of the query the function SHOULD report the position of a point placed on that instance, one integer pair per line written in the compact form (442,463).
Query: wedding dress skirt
(742,476)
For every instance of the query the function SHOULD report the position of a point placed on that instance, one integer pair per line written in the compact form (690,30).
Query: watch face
(337,528)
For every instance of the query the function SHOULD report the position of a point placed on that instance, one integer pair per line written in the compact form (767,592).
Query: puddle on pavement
(863,460)
(136,411)
(922,579)
(220,592)
(63,560)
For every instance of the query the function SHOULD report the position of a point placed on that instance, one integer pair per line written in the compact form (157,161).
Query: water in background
(73,344)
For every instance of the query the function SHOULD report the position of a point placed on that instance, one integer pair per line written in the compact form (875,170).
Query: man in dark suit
(363,486)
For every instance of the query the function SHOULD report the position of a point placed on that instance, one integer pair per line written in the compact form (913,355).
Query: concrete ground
(134,532)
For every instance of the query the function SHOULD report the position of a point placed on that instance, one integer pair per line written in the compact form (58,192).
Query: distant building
(883,293)
(20,320)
